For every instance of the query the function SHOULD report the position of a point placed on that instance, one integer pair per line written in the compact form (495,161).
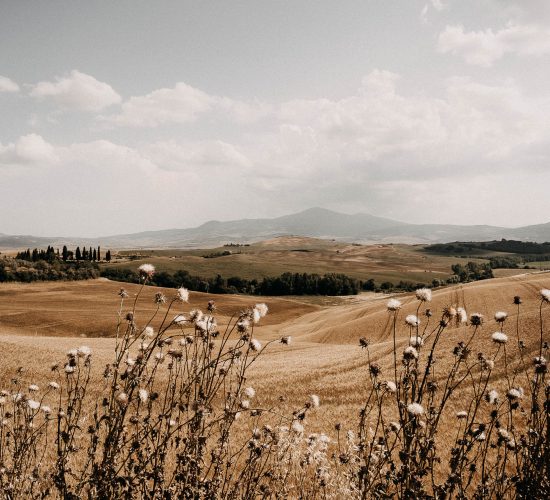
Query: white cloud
(182,104)
(77,91)
(29,149)
(483,48)
(197,157)
(7,85)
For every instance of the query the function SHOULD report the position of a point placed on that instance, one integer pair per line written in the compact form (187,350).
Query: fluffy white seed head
(462,316)
(499,338)
(314,400)
(143,395)
(500,316)
(249,392)
(545,295)
(412,320)
(262,309)
(255,345)
(33,405)
(416,341)
(393,305)
(415,409)
(183,294)
(424,294)
(146,270)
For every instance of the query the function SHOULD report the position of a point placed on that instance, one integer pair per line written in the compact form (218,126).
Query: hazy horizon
(126,117)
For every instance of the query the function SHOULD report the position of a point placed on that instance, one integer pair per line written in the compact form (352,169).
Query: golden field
(40,322)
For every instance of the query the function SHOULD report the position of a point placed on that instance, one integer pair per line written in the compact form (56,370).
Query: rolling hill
(314,222)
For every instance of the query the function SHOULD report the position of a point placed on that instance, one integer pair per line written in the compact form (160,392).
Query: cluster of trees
(50,255)
(42,270)
(472,271)
(285,284)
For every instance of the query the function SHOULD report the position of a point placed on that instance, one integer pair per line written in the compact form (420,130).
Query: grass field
(39,323)
(304,255)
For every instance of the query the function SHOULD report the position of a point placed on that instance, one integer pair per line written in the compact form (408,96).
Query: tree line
(285,284)
(50,255)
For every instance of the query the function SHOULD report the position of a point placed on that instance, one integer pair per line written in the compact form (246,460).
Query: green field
(383,262)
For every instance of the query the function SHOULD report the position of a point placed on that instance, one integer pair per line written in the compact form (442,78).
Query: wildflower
(492,397)
(476,319)
(393,305)
(179,319)
(314,401)
(122,398)
(297,427)
(286,340)
(130,361)
(375,369)
(143,395)
(364,342)
(249,392)
(538,360)
(412,320)
(33,405)
(424,294)
(146,270)
(123,293)
(160,298)
(187,340)
(148,332)
(410,353)
(159,357)
(462,316)
(72,353)
(54,385)
(481,436)
(461,414)
(415,409)
(255,315)
(545,295)
(69,369)
(390,386)
(211,306)
(500,316)
(183,294)
(33,388)
(395,427)
(84,351)
(245,404)
(172,422)
(504,434)
(17,397)
(487,364)
(262,309)
(195,315)
(46,409)
(416,341)
(499,338)
(517,300)
(514,393)
(449,312)
(255,345)
(242,325)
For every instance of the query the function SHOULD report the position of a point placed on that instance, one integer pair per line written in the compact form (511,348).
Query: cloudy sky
(127,116)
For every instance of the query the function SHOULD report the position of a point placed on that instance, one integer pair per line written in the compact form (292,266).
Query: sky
(120,117)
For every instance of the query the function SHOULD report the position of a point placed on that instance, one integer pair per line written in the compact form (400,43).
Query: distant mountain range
(314,222)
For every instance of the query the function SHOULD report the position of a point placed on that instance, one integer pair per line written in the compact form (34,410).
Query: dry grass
(40,322)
